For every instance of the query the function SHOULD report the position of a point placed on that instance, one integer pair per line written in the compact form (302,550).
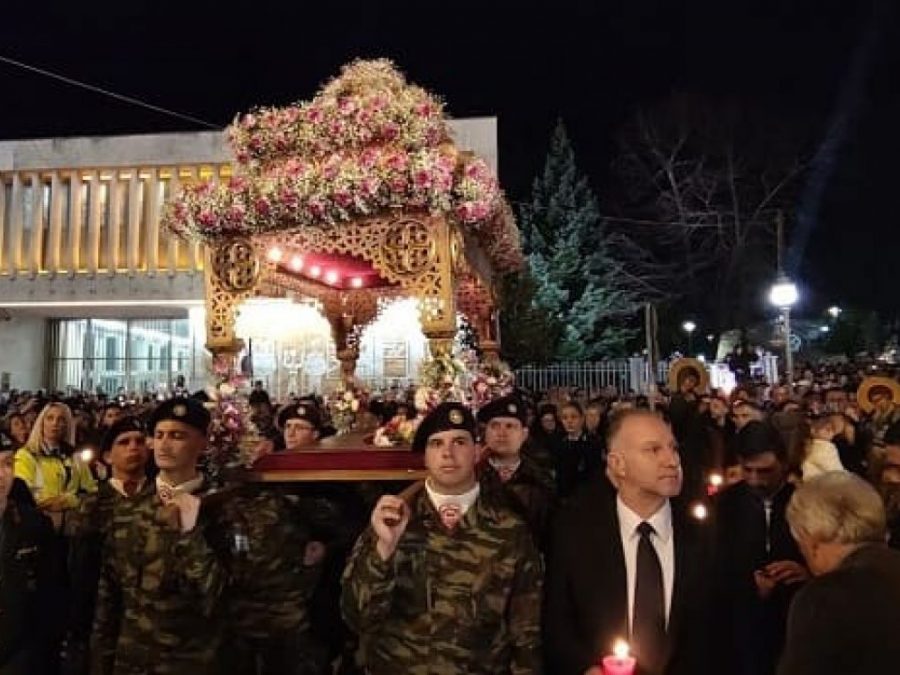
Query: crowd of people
(742,533)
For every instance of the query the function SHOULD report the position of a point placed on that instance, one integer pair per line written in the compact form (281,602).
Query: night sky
(590,62)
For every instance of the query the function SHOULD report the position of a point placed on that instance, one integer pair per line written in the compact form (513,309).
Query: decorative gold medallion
(455,416)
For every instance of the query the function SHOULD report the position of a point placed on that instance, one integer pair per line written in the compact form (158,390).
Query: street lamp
(784,295)
(834,311)
(689,328)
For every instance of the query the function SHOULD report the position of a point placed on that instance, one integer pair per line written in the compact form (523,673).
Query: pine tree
(576,281)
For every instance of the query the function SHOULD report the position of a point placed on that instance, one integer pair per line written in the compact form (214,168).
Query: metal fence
(623,374)
(627,375)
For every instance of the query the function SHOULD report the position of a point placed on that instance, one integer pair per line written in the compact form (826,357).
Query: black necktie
(648,628)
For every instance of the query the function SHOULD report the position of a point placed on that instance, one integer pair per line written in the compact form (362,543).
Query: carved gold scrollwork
(235,265)
(408,247)
(457,252)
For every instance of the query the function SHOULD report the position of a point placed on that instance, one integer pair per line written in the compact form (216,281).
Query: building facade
(95,296)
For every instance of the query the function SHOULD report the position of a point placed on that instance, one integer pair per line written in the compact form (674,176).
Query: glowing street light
(689,327)
(784,295)
(834,311)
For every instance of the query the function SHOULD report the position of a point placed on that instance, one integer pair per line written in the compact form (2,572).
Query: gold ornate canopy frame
(365,175)
(418,254)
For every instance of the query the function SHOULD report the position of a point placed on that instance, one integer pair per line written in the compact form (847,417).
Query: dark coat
(586,595)
(750,631)
(530,492)
(26,588)
(848,621)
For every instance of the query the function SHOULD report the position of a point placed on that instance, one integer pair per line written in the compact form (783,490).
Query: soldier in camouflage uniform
(274,567)
(509,474)
(124,449)
(450,583)
(158,609)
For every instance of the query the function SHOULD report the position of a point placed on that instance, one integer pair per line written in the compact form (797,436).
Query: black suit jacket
(848,621)
(586,596)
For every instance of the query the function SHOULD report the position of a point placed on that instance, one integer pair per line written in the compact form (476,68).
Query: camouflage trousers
(285,654)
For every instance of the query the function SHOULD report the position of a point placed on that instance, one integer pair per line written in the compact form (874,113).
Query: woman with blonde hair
(48,464)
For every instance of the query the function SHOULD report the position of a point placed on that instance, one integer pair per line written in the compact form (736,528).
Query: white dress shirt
(663,542)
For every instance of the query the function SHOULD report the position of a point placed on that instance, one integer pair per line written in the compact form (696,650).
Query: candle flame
(700,512)
(621,649)
(716,479)
(87,455)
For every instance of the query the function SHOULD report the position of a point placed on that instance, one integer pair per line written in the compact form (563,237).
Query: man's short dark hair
(758,438)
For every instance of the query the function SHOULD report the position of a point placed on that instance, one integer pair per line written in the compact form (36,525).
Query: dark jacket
(586,595)
(26,588)
(530,492)
(848,621)
(750,631)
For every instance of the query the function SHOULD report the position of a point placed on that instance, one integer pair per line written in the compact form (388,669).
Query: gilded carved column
(231,273)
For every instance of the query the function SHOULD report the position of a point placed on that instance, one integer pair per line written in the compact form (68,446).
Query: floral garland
(492,379)
(343,406)
(340,189)
(229,426)
(370,103)
(367,144)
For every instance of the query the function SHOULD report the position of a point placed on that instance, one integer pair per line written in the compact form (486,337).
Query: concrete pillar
(151,221)
(15,226)
(132,242)
(114,202)
(172,253)
(36,245)
(54,257)
(94,218)
(4,224)
(76,205)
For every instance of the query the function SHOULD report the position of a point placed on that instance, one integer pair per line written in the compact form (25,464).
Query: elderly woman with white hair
(48,464)
(847,620)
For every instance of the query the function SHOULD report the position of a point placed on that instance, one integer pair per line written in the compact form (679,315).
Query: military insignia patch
(180,410)
(455,417)
(301,410)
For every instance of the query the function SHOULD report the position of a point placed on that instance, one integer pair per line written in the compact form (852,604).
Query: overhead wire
(106,92)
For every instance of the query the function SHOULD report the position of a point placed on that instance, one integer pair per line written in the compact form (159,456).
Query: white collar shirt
(663,541)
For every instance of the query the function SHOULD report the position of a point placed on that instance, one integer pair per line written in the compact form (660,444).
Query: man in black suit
(847,620)
(629,565)
(759,567)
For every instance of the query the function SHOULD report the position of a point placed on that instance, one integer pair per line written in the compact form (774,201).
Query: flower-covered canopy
(368,144)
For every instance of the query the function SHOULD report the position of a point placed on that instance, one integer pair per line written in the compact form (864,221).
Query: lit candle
(87,455)
(619,662)
(699,511)
(714,484)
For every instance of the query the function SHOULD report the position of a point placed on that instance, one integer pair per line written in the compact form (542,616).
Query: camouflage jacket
(530,492)
(448,602)
(158,598)
(266,533)
(86,528)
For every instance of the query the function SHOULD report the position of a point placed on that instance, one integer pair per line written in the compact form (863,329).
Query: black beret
(123,426)
(506,406)
(446,417)
(187,410)
(300,411)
